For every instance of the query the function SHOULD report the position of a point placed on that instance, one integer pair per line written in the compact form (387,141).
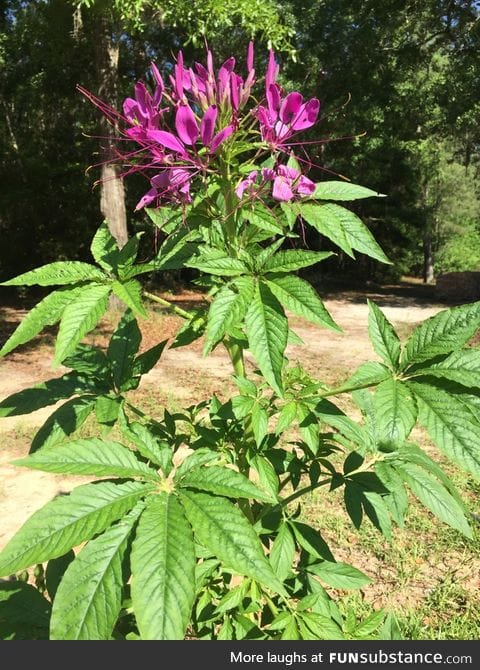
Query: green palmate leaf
(79,317)
(267,331)
(395,410)
(286,417)
(383,336)
(282,553)
(340,575)
(89,597)
(294,259)
(163,570)
(369,625)
(377,511)
(440,334)
(397,500)
(46,313)
(331,415)
(341,190)
(148,359)
(227,310)
(123,346)
(178,248)
(298,296)
(89,456)
(262,254)
(63,422)
(107,408)
(358,235)
(450,424)
(41,395)
(58,273)
(104,248)
(127,256)
(67,521)
(23,609)
(330,226)
(461,367)
(130,293)
(434,496)
(223,482)
(225,531)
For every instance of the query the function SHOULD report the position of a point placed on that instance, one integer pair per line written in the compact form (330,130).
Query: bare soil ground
(183,376)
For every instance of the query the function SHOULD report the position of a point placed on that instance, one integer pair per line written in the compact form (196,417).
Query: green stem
(235,352)
(178,310)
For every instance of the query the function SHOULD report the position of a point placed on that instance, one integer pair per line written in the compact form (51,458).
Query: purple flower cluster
(205,108)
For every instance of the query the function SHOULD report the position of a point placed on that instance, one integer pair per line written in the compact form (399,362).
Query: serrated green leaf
(450,424)
(397,500)
(264,219)
(41,395)
(224,530)
(148,359)
(461,367)
(227,309)
(23,609)
(320,627)
(268,478)
(223,481)
(107,408)
(369,625)
(358,235)
(89,456)
(321,218)
(282,553)
(58,273)
(383,336)
(267,329)
(150,446)
(55,570)
(79,317)
(67,521)
(333,416)
(377,511)
(286,417)
(395,410)
(311,541)
(89,597)
(294,259)
(290,632)
(434,496)
(123,346)
(89,360)
(341,190)
(440,334)
(163,570)
(63,422)
(340,575)
(367,374)
(301,298)
(130,293)
(259,422)
(46,313)
(223,266)
(104,248)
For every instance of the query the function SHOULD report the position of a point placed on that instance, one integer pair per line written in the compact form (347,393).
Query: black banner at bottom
(249,655)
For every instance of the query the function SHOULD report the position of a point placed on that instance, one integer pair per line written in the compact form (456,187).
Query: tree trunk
(112,195)
(428,269)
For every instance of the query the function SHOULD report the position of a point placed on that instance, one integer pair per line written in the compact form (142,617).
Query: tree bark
(112,194)
(428,267)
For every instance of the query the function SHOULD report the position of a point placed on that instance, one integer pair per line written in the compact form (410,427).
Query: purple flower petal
(272,71)
(307,115)
(207,125)
(282,189)
(290,107)
(220,137)
(186,124)
(250,54)
(167,140)
(305,186)
(273,99)
(147,198)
